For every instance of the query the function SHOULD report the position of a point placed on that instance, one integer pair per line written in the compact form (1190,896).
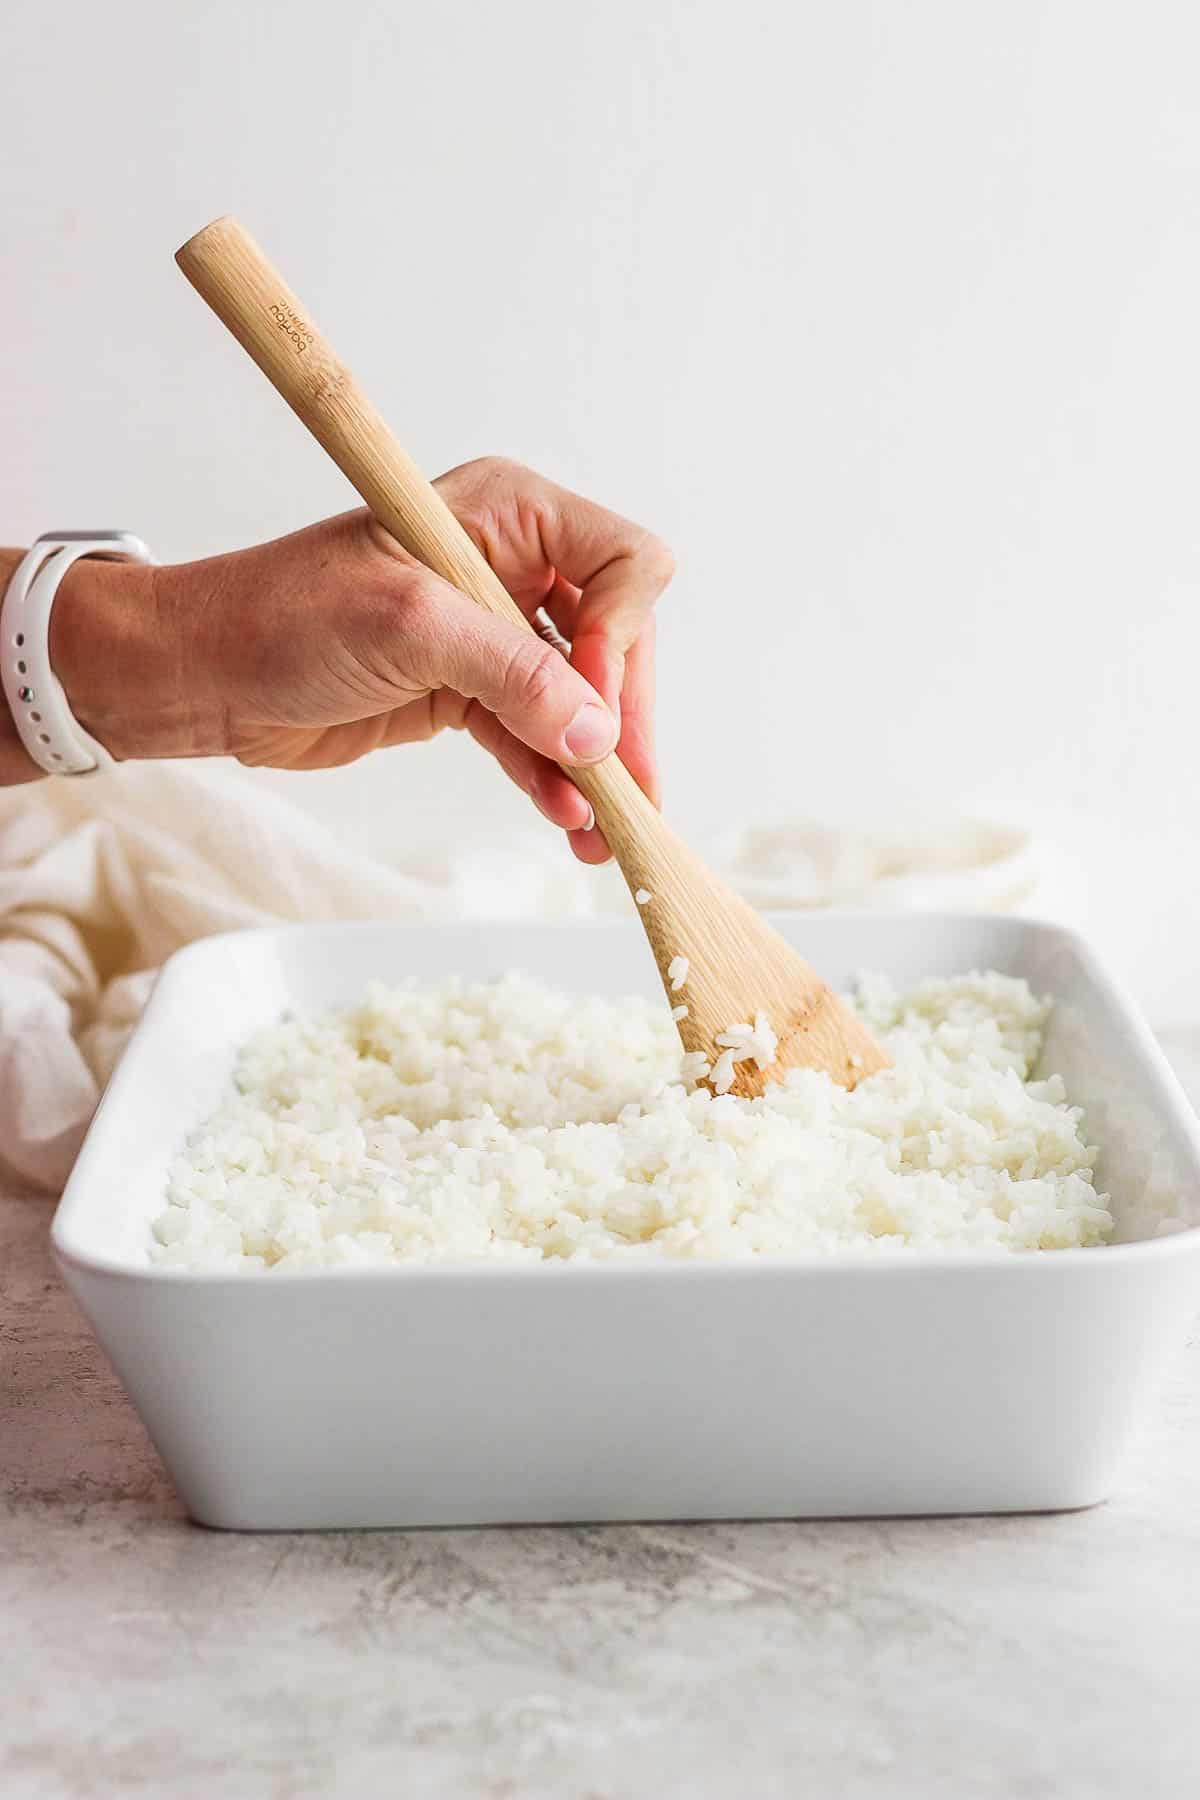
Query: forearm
(130,662)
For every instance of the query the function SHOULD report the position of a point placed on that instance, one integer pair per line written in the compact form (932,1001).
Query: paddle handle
(230,272)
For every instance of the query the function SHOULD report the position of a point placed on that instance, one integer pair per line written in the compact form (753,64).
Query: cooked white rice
(755,1043)
(510,1121)
(677,971)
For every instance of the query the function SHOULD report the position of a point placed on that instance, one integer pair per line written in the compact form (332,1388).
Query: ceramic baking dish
(967,1382)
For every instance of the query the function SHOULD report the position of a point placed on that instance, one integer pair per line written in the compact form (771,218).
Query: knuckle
(410,622)
(413,592)
(487,474)
(506,468)
(658,557)
(531,676)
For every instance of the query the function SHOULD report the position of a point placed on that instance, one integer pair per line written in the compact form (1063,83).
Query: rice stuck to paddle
(508,1121)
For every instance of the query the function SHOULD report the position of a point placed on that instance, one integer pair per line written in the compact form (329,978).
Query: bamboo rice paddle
(737,967)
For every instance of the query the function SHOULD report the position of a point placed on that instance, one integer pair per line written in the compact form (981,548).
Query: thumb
(515,674)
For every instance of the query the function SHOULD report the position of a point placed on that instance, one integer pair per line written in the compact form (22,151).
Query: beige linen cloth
(102,878)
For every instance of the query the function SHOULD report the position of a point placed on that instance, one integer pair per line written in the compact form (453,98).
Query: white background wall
(885,315)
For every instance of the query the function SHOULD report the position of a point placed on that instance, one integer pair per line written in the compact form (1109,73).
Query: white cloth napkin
(102,878)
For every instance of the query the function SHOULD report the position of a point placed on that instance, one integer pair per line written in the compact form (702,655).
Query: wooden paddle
(737,967)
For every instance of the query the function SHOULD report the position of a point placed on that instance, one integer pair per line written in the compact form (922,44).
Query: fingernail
(591,734)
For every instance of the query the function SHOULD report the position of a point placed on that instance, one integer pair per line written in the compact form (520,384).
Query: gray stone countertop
(1023,1658)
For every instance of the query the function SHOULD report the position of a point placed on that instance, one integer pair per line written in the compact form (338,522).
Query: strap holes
(21,668)
(36,717)
(43,737)
(19,639)
(55,756)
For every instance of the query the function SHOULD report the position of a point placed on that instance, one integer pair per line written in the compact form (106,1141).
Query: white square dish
(969,1381)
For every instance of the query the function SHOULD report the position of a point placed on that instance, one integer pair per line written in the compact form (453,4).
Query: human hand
(319,647)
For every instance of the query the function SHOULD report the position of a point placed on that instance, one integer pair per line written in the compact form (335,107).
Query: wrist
(121,646)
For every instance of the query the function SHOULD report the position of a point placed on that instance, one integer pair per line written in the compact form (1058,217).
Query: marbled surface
(1031,1658)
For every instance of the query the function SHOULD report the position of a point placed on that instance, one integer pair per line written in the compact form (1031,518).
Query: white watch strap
(43,717)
